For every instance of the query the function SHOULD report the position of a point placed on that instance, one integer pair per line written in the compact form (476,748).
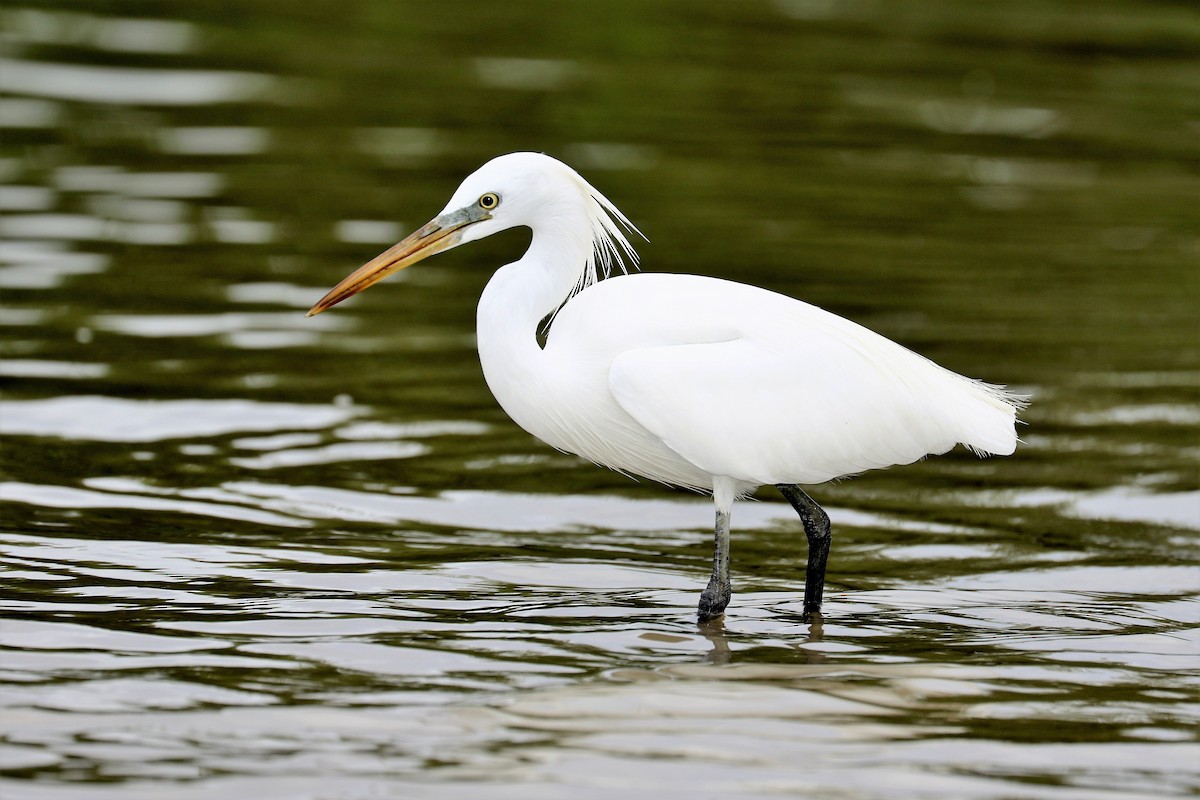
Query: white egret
(692,381)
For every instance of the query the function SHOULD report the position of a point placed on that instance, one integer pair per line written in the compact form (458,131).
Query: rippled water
(247,553)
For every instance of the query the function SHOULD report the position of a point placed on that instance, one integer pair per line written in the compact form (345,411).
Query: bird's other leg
(820,535)
(715,596)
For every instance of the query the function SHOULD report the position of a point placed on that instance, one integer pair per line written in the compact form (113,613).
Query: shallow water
(247,553)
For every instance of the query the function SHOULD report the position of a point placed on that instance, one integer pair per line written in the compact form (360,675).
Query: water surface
(247,553)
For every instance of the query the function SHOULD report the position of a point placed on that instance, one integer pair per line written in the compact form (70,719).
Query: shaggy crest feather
(610,246)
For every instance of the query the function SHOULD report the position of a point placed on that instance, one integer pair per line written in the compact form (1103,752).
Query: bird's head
(517,189)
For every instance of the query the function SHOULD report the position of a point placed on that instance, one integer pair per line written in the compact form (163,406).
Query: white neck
(514,303)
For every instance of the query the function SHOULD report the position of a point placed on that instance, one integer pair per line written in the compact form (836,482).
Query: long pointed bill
(438,235)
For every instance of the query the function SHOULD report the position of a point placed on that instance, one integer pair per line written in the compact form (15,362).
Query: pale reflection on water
(132,86)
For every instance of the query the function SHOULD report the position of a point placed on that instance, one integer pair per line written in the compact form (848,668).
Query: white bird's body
(783,391)
(692,381)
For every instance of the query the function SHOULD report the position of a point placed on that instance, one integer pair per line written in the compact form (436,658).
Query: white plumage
(688,380)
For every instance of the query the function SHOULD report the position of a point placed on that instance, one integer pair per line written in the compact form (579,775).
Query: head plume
(610,246)
(534,189)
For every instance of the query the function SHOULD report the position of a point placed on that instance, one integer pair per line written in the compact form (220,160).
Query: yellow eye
(489,201)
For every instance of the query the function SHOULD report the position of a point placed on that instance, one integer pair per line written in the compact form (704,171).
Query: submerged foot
(713,602)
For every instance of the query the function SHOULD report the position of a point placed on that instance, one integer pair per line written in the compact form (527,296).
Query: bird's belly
(573,410)
(634,451)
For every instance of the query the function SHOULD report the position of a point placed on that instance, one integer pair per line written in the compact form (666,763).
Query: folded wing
(807,401)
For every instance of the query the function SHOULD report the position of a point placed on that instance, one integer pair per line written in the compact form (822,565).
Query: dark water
(248,554)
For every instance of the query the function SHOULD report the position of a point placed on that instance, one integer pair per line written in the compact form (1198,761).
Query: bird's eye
(489,201)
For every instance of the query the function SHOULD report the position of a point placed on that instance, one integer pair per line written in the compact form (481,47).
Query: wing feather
(809,409)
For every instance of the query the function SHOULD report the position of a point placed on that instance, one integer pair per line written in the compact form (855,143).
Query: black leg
(820,535)
(716,595)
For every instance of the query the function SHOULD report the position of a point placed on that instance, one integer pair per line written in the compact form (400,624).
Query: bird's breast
(563,398)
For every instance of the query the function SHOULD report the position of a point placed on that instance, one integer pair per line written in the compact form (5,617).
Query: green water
(247,553)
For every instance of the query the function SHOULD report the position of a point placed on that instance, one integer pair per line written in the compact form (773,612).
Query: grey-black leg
(716,595)
(820,535)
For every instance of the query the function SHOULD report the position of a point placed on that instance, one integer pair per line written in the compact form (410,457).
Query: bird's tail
(988,417)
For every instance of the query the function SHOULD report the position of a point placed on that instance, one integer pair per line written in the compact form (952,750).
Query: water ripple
(133,86)
(116,419)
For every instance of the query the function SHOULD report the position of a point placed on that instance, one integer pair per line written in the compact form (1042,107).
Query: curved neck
(513,304)
(520,295)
